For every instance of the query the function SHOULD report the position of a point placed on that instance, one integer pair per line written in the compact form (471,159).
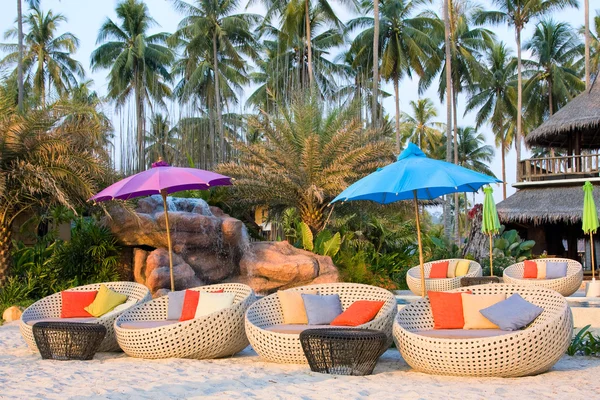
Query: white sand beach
(24,375)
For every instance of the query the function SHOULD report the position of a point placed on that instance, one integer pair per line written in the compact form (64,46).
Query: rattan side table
(68,340)
(343,351)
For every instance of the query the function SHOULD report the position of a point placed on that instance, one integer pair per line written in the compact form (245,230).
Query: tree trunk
(550,98)
(20,61)
(503,160)
(218,99)
(375,95)
(456,197)
(5,248)
(519,98)
(397,115)
(587,44)
(308,41)
(478,243)
(447,230)
(139,106)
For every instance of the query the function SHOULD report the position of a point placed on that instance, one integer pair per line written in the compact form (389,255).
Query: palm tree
(551,74)
(50,156)
(213,25)
(21,89)
(138,63)
(306,159)
(47,59)
(473,152)
(586,38)
(405,44)
(162,140)
(593,49)
(420,127)
(493,97)
(517,13)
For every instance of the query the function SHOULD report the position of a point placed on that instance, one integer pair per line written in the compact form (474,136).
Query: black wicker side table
(68,340)
(343,351)
(478,280)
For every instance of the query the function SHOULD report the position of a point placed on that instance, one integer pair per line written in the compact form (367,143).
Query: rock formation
(209,247)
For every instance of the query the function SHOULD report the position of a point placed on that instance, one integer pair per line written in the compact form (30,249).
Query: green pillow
(105,301)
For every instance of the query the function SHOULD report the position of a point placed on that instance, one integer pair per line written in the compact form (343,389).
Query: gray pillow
(513,313)
(175,304)
(321,309)
(556,269)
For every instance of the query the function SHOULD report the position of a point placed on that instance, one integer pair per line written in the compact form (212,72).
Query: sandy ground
(24,375)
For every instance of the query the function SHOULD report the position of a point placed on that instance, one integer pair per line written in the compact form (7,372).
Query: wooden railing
(564,167)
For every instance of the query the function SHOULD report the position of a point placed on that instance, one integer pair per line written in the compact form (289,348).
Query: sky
(86,16)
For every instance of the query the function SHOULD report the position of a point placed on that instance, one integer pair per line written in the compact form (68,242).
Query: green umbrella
(490,225)
(590,218)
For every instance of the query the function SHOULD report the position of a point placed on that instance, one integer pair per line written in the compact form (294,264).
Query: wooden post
(592,255)
(420,244)
(491,258)
(163,193)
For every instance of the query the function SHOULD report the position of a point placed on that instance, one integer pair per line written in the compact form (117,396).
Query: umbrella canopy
(490,224)
(417,177)
(414,171)
(162,179)
(589,220)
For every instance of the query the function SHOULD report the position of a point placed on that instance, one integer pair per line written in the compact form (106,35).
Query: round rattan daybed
(507,354)
(413,278)
(49,308)
(220,334)
(285,347)
(565,286)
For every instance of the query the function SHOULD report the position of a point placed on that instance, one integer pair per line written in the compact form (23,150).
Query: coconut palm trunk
(375,94)
(587,44)
(139,114)
(5,247)
(20,62)
(519,98)
(447,230)
(308,41)
(503,161)
(219,129)
(456,197)
(396,89)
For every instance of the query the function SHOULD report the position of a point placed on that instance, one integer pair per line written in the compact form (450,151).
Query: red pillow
(360,312)
(530,269)
(190,303)
(74,302)
(447,310)
(439,270)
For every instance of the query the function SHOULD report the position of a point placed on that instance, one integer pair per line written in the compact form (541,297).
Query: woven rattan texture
(220,334)
(286,348)
(413,278)
(526,352)
(49,307)
(343,351)
(68,340)
(565,286)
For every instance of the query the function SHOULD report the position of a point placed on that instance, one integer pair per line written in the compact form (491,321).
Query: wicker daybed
(565,286)
(48,310)
(413,278)
(145,332)
(502,353)
(282,347)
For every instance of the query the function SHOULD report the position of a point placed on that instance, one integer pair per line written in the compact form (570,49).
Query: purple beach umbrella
(162,179)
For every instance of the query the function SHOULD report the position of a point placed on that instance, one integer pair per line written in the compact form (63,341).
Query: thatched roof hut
(581,116)
(545,205)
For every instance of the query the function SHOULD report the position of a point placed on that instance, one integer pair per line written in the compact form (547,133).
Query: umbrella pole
(491,260)
(420,244)
(592,250)
(163,193)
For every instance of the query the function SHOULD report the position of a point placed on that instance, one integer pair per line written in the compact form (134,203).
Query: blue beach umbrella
(415,177)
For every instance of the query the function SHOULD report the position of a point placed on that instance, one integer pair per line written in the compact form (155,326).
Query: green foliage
(510,244)
(332,246)
(306,236)
(584,343)
(500,263)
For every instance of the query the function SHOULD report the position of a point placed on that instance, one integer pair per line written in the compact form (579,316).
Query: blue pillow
(322,309)
(513,313)
(556,269)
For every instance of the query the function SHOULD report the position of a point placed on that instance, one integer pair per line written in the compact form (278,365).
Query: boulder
(12,314)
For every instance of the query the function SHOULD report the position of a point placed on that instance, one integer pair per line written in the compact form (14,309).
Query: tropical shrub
(510,244)
(584,343)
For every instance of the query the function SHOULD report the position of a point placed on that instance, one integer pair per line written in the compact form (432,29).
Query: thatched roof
(545,205)
(582,114)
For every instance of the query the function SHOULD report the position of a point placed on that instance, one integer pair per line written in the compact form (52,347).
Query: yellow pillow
(541,270)
(462,268)
(472,303)
(292,306)
(105,301)
(452,269)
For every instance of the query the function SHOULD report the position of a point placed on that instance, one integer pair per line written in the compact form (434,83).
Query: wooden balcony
(559,168)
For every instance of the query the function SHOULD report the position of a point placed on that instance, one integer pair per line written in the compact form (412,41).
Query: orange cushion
(360,312)
(190,304)
(439,270)
(74,302)
(447,310)
(530,270)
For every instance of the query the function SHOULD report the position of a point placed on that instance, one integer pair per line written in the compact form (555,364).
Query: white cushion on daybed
(462,333)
